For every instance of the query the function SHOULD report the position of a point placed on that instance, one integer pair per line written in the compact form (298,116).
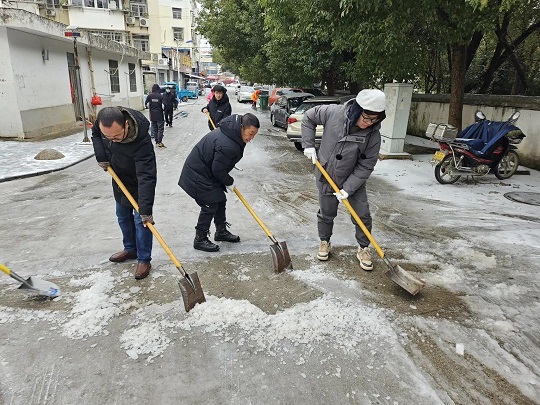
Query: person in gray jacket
(349,151)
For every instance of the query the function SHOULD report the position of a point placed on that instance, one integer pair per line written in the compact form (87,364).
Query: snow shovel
(397,274)
(279,250)
(190,285)
(32,284)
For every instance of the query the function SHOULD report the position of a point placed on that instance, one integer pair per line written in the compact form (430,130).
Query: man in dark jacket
(349,151)
(170,103)
(205,175)
(219,106)
(154,101)
(120,139)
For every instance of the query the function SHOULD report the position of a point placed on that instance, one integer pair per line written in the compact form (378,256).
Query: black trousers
(168,115)
(209,212)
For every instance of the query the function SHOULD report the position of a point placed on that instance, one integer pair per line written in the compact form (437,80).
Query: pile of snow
(327,320)
(146,338)
(94,307)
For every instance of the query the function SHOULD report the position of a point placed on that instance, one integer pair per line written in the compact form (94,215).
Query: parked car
(281,91)
(244,93)
(285,106)
(294,133)
(315,91)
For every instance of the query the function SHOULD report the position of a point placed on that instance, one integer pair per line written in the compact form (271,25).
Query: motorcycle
(485,147)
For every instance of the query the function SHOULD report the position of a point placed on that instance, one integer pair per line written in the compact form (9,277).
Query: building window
(132,77)
(178,34)
(114,76)
(139,9)
(177,13)
(118,36)
(141,42)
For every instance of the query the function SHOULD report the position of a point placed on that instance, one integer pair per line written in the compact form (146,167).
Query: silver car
(244,93)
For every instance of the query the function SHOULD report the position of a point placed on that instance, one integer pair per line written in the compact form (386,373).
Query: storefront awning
(196,77)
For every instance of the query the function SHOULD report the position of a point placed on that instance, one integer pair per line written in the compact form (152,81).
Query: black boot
(202,242)
(223,234)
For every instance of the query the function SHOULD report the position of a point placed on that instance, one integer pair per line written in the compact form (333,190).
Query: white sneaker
(364,257)
(324,250)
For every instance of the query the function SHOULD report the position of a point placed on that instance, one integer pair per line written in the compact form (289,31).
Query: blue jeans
(135,236)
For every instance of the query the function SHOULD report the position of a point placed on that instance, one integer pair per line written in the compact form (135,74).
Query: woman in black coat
(205,175)
(219,106)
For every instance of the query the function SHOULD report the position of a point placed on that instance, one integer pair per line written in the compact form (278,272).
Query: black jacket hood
(231,126)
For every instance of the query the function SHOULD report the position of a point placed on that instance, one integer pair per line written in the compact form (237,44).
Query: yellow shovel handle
(210,118)
(351,210)
(265,229)
(149,225)
(5,269)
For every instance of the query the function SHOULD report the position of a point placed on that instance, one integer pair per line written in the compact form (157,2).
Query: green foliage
(368,42)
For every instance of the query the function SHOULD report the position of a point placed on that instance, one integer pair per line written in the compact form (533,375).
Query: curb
(25,175)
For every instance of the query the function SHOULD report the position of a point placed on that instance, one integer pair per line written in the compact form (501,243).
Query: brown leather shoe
(123,256)
(143,270)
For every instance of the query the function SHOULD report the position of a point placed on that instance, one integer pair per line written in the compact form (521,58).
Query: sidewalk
(18,157)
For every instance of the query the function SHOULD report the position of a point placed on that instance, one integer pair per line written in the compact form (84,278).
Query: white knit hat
(371,100)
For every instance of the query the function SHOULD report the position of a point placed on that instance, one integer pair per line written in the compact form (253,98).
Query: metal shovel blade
(192,292)
(280,257)
(40,287)
(403,278)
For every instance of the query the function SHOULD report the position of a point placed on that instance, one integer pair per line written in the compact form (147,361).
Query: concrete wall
(428,108)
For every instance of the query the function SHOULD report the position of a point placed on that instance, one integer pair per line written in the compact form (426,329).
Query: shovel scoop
(34,285)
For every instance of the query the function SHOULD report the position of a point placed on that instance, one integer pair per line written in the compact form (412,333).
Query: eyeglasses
(369,119)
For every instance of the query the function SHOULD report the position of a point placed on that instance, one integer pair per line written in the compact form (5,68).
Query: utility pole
(74,34)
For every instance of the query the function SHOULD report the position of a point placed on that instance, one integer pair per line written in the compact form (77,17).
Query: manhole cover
(525,198)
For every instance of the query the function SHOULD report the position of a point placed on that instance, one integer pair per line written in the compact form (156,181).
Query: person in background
(154,102)
(255,98)
(120,139)
(170,103)
(205,176)
(210,95)
(349,151)
(219,106)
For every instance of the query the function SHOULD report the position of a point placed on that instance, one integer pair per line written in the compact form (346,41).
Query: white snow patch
(339,324)
(146,338)
(94,307)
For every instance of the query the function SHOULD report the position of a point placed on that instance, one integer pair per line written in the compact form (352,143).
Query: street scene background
(321,333)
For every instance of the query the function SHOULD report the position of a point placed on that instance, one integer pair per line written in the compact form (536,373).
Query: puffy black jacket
(218,110)
(133,160)
(206,169)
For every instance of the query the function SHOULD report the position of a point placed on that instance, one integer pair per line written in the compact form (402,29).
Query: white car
(244,93)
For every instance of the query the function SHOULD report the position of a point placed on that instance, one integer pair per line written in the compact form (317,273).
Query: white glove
(310,153)
(342,195)
(230,188)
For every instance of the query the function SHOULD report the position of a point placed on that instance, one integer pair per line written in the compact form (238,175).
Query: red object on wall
(96,100)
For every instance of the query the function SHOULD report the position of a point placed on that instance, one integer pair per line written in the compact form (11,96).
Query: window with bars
(138,9)
(178,34)
(141,42)
(114,76)
(132,77)
(118,36)
(177,13)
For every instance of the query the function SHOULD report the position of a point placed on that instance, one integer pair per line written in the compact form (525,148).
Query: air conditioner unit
(50,12)
(130,20)
(143,22)
(163,62)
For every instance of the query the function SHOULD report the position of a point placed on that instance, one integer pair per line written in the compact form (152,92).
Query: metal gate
(74,86)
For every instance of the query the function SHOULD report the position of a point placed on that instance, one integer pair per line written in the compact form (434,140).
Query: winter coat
(154,101)
(358,151)
(206,169)
(218,109)
(170,100)
(133,160)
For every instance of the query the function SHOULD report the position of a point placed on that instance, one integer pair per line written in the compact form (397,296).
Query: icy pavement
(324,333)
